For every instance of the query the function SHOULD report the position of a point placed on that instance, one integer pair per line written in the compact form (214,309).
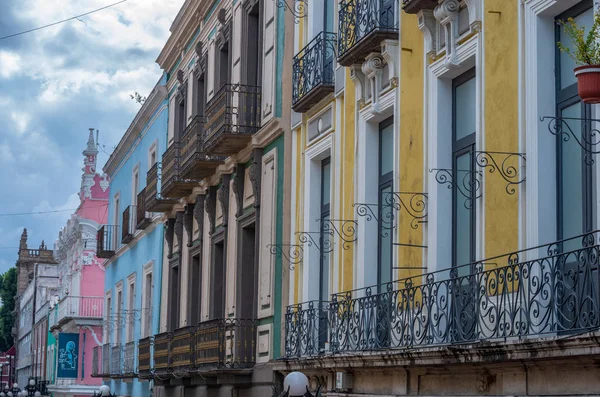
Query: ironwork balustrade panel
(129,356)
(360,21)
(313,67)
(234,110)
(116,360)
(162,343)
(106,363)
(143,217)
(225,344)
(145,356)
(107,241)
(306,329)
(192,140)
(170,167)
(97,361)
(129,224)
(181,348)
(547,290)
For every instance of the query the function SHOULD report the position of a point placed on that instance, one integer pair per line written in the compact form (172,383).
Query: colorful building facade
(430,260)
(132,242)
(76,313)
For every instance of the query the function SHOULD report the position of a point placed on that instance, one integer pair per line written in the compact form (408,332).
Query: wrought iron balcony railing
(232,116)
(155,202)
(129,369)
(107,241)
(211,345)
(174,185)
(145,347)
(116,361)
(88,308)
(313,74)
(306,329)
(414,6)
(365,24)
(143,217)
(129,224)
(106,359)
(196,163)
(547,290)
(97,362)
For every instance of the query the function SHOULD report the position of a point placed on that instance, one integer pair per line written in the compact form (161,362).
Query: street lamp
(296,384)
(104,392)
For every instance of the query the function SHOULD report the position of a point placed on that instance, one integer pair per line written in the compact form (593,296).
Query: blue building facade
(132,242)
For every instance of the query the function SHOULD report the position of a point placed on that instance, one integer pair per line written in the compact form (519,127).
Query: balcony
(115,361)
(414,6)
(129,369)
(222,344)
(84,310)
(542,292)
(129,223)
(107,241)
(97,363)
(365,23)
(195,162)
(144,357)
(313,74)
(232,117)
(106,363)
(155,202)
(143,217)
(173,184)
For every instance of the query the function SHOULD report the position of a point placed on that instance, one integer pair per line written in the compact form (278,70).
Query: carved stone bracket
(169,233)
(223,196)
(199,214)
(211,207)
(373,70)
(256,175)
(179,219)
(188,222)
(447,15)
(238,188)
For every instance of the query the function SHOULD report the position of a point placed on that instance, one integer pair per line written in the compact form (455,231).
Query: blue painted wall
(149,248)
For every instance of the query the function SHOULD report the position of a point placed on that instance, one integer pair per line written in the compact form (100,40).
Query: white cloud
(21,120)
(9,64)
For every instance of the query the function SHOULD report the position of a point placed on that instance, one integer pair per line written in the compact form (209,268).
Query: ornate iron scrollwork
(323,241)
(299,8)
(506,163)
(415,204)
(343,228)
(467,183)
(291,253)
(588,140)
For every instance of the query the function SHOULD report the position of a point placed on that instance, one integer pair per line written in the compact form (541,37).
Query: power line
(63,21)
(49,212)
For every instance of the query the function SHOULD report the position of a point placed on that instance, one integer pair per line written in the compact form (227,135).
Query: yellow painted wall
(346,132)
(411,141)
(501,122)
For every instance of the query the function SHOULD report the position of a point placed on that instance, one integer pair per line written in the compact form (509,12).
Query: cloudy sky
(56,83)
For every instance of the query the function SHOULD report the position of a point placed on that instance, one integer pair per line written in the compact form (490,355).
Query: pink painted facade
(79,306)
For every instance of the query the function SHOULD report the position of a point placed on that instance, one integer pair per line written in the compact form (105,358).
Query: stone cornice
(183,27)
(158,94)
(504,352)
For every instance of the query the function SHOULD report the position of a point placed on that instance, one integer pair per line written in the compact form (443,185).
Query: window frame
(461,147)
(324,213)
(384,181)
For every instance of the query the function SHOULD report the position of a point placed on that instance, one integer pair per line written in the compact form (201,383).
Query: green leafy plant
(586,46)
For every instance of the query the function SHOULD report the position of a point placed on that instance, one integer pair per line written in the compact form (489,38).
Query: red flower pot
(588,83)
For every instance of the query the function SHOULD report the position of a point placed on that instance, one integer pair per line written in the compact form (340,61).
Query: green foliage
(8,291)
(586,49)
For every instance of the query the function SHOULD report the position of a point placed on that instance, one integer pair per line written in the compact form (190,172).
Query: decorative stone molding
(390,52)
(447,15)
(223,196)
(238,188)
(188,223)
(358,77)
(169,233)
(179,229)
(373,71)
(427,24)
(256,174)
(199,214)
(211,207)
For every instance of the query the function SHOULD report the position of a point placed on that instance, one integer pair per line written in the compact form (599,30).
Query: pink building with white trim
(78,309)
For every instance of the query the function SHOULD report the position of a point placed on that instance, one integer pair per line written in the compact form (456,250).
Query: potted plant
(585,51)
